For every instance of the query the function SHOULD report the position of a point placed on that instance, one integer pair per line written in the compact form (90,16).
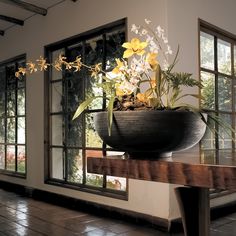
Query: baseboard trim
(174,225)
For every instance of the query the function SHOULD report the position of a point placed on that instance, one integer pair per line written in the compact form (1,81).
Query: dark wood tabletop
(208,169)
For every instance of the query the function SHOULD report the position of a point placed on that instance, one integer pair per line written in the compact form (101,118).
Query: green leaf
(110,113)
(83,106)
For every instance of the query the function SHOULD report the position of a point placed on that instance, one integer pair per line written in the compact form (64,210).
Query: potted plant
(144,109)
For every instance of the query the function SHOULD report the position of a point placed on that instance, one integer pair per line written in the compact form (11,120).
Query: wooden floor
(25,216)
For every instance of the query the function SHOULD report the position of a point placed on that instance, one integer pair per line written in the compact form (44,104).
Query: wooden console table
(199,171)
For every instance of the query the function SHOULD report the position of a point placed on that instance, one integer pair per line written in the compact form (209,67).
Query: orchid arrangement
(138,80)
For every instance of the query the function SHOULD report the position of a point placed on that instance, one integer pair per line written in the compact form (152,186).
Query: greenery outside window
(217,70)
(12,118)
(71,142)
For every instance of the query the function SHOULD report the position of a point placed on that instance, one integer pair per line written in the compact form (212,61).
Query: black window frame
(100,31)
(220,34)
(18,84)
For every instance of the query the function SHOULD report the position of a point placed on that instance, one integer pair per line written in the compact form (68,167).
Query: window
(217,69)
(71,142)
(12,118)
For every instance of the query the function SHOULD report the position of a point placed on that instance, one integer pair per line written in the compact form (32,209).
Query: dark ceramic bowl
(151,133)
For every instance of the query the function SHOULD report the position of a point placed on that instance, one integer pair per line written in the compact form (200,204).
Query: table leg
(194,207)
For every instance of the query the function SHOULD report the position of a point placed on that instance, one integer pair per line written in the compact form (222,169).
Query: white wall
(178,17)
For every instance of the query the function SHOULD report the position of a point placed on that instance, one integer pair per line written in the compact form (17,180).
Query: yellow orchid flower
(96,69)
(120,64)
(152,60)
(121,91)
(134,47)
(42,63)
(153,83)
(21,71)
(141,97)
(31,67)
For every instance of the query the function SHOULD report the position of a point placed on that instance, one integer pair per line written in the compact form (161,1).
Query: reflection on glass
(11,157)
(11,134)
(57,129)
(208,90)
(224,94)
(75,131)
(116,183)
(112,182)
(21,159)
(94,179)
(2,157)
(207,50)
(224,56)
(57,98)
(2,130)
(21,130)
(21,102)
(75,165)
(225,136)
(92,137)
(11,103)
(57,163)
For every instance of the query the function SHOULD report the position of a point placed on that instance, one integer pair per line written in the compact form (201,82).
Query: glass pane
(21,130)
(224,56)
(94,50)
(208,90)
(74,91)
(21,159)
(2,79)
(75,80)
(93,179)
(113,182)
(92,137)
(225,136)
(75,131)
(57,74)
(75,165)
(57,129)
(2,104)
(224,94)
(207,50)
(11,134)
(2,130)
(2,157)
(21,81)
(57,97)
(208,141)
(11,158)
(116,183)
(57,168)
(11,103)
(10,74)
(114,41)
(21,102)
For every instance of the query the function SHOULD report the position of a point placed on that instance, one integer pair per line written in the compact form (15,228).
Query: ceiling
(16,12)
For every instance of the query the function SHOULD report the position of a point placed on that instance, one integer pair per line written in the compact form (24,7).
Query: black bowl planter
(151,134)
